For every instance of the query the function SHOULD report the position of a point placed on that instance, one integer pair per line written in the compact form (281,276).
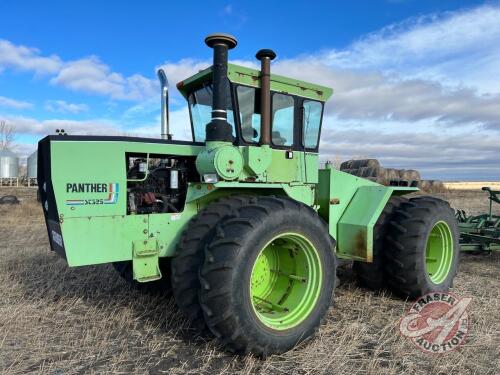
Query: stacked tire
(431,186)
(372,170)
(366,168)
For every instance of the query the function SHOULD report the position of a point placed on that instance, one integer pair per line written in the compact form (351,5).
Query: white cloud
(15,104)
(452,47)
(87,74)
(27,59)
(437,154)
(144,108)
(182,69)
(180,123)
(179,119)
(32,126)
(65,107)
(91,75)
(418,39)
(23,150)
(363,95)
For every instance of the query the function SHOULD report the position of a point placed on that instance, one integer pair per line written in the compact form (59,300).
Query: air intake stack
(218,129)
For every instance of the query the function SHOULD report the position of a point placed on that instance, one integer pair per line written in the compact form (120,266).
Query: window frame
(234,103)
(302,130)
(295,130)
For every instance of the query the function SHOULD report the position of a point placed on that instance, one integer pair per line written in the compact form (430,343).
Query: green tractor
(240,222)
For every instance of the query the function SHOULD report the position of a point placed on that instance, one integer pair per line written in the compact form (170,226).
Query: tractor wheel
(423,250)
(190,256)
(125,270)
(371,275)
(268,276)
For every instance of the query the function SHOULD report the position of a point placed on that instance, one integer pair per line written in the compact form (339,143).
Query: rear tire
(371,275)
(190,256)
(268,277)
(423,249)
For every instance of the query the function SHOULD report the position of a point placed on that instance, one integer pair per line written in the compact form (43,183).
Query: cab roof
(250,77)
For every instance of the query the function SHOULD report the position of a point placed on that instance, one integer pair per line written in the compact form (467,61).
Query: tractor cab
(276,130)
(296,108)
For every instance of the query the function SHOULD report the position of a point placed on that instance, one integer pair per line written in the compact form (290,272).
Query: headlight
(46,206)
(210,178)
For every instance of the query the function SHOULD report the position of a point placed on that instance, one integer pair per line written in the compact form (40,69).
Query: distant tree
(7,135)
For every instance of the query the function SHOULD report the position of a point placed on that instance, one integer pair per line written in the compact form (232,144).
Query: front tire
(268,276)
(190,255)
(423,249)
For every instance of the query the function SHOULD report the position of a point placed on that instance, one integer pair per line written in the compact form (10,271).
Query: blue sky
(416,82)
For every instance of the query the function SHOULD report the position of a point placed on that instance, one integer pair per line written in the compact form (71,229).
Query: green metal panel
(167,228)
(94,221)
(311,166)
(251,163)
(282,169)
(102,239)
(335,191)
(351,205)
(222,158)
(257,159)
(78,174)
(355,227)
(250,77)
(304,193)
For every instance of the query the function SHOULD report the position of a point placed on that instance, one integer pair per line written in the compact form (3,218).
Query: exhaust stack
(165,126)
(265,56)
(218,129)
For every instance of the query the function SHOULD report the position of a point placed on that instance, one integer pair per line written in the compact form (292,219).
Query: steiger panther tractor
(240,223)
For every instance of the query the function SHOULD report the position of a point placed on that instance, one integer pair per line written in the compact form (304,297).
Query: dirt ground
(58,320)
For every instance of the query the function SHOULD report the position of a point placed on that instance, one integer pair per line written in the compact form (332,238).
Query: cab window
(282,119)
(200,106)
(248,104)
(311,123)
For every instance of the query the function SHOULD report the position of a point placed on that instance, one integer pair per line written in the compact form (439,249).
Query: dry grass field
(58,320)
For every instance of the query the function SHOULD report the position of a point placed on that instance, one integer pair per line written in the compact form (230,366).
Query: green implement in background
(481,232)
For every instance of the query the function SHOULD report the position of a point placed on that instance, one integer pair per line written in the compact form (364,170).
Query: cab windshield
(200,108)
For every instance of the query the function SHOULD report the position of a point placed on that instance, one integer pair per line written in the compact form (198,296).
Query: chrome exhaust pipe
(165,126)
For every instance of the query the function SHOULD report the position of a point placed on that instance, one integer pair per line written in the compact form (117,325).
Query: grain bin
(9,164)
(32,165)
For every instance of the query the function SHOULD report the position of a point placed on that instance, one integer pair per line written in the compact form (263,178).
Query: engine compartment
(158,183)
